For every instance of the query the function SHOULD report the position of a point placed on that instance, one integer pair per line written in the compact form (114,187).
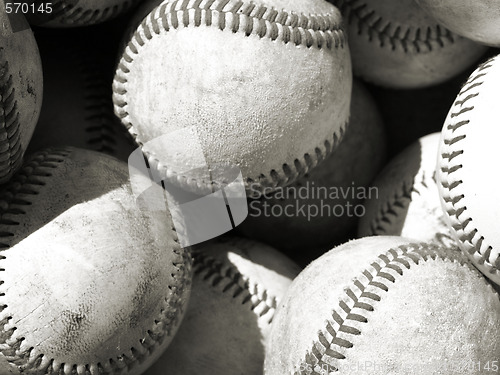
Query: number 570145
(25,8)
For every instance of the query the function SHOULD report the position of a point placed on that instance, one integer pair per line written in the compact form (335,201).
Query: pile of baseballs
(249,187)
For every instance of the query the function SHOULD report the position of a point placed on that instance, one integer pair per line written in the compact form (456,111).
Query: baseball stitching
(98,106)
(68,13)
(226,278)
(335,340)
(10,138)
(400,200)
(456,129)
(398,36)
(314,31)
(26,185)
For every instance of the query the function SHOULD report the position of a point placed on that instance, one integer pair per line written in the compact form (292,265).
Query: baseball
(274,104)
(77,108)
(322,208)
(407,202)
(476,20)
(394,43)
(467,157)
(237,284)
(21,90)
(168,128)
(386,305)
(90,283)
(75,13)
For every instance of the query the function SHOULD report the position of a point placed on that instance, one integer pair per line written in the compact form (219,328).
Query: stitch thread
(475,244)
(402,37)
(66,12)
(400,200)
(335,340)
(103,125)
(389,209)
(100,127)
(10,137)
(314,31)
(97,106)
(226,278)
(28,181)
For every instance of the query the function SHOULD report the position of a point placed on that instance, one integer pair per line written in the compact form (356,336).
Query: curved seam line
(387,209)
(453,142)
(236,283)
(11,128)
(164,19)
(96,101)
(169,313)
(395,36)
(393,260)
(78,15)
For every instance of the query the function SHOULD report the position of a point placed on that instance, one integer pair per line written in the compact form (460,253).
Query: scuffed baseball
(476,20)
(322,208)
(407,201)
(237,285)
(21,90)
(394,43)
(274,105)
(467,175)
(91,283)
(386,305)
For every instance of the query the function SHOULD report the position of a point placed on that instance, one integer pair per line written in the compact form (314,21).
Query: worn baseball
(467,156)
(407,202)
(77,109)
(206,86)
(477,20)
(237,285)
(74,13)
(394,43)
(386,305)
(91,284)
(322,208)
(21,90)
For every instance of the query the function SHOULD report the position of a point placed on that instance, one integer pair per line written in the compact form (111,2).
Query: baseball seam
(10,137)
(476,246)
(398,36)
(25,185)
(335,339)
(402,197)
(104,127)
(403,194)
(67,13)
(314,31)
(226,278)
(101,135)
